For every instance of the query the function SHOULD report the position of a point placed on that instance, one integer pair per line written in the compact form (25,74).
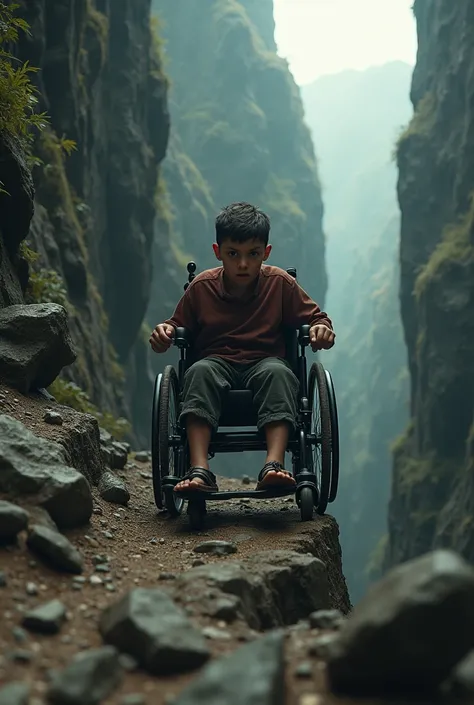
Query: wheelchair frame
(169,442)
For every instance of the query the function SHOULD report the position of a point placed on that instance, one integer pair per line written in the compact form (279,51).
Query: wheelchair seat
(238,409)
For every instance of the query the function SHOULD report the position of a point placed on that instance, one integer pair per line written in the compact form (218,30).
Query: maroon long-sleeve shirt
(244,331)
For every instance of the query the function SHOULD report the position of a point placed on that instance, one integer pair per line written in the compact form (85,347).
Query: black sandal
(273,465)
(197,473)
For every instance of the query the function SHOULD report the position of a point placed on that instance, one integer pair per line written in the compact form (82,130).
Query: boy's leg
(275,391)
(205,384)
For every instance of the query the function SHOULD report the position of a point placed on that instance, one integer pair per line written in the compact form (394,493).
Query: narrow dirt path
(140,547)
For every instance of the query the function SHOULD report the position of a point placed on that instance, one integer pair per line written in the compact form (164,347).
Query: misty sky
(325,36)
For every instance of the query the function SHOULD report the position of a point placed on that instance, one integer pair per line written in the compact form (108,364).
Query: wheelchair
(314,445)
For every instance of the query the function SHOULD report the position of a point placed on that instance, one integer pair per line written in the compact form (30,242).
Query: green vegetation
(69,394)
(18,96)
(99,24)
(423,119)
(455,246)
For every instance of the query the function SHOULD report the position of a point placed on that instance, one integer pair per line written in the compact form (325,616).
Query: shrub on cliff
(17,93)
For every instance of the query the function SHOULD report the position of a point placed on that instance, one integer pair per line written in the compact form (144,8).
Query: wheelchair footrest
(238,494)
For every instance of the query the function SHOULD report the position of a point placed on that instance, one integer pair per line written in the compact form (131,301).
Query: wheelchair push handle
(181,338)
(191,267)
(303,335)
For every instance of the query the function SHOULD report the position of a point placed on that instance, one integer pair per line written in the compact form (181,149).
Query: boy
(235,314)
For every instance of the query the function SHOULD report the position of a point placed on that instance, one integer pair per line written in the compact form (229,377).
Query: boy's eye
(232,253)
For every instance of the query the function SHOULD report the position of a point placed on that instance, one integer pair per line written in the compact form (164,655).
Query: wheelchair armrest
(303,335)
(182,338)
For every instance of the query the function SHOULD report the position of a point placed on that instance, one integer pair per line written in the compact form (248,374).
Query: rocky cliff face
(102,85)
(362,220)
(238,132)
(432,493)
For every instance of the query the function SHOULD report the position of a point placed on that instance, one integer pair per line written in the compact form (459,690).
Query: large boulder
(35,469)
(409,631)
(35,345)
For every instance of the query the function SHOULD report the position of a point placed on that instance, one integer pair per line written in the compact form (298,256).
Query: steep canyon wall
(432,501)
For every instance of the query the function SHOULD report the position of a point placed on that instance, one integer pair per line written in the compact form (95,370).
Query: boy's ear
(217,251)
(268,249)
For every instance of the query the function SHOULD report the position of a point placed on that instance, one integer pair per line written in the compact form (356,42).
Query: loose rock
(47,618)
(36,469)
(218,548)
(35,345)
(113,488)
(53,418)
(252,674)
(15,693)
(91,677)
(147,624)
(409,631)
(142,456)
(54,548)
(13,519)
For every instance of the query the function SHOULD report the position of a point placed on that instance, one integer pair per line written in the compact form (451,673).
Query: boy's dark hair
(241,222)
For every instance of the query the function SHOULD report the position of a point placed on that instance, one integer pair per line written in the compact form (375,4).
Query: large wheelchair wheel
(167,460)
(321,460)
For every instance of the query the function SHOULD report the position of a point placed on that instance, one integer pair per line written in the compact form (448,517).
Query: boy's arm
(184,315)
(299,309)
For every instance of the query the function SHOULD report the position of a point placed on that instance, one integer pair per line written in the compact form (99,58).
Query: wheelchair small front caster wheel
(306,503)
(197,514)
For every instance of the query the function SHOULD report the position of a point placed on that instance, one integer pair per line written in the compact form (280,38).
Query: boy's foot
(197,480)
(273,474)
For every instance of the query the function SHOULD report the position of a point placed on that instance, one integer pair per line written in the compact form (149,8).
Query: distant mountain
(355,118)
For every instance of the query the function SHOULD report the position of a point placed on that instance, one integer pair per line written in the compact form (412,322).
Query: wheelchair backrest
(291,336)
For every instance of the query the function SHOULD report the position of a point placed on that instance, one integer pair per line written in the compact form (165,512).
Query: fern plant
(18,95)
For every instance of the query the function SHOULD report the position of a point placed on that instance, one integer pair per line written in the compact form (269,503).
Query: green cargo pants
(272,382)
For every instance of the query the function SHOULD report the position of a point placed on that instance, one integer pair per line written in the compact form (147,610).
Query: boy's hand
(161,338)
(321,337)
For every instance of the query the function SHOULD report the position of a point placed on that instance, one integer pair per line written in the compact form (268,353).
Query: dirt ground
(143,545)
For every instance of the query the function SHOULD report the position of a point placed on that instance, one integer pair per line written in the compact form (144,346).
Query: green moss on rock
(455,246)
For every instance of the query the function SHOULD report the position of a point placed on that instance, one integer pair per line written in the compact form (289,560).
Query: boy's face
(242,260)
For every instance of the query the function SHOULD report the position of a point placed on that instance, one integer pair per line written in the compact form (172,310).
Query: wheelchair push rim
(169,460)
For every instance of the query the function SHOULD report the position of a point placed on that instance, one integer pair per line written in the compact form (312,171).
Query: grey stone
(409,631)
(326,619)
(216,547)
(148,625)
(54,548)
(53,418)
(461,681)
(275,588)
(13,519)
(253,674)
(47,618)
(35,345)
(133,699)
(88,679)
(35,469)
(40,516)
(119,455)
(15,693)
(143,456)
(225,607)
(113,489)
